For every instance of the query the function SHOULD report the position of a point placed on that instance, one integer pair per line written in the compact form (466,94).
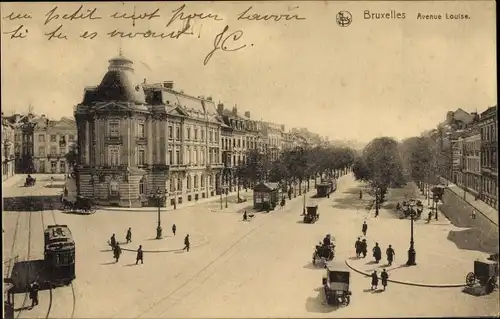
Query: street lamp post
(436,199)
(227,191)
(304,205)
(412,254)
(159,197)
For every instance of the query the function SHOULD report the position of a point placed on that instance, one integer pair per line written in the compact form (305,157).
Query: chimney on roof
(220,108)
(235,110)
(144,82)
(209,98)
(247,114)
(43,116)
(168,84)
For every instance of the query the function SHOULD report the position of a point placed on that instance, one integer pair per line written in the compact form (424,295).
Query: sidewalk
(215,199)
(489,212)
(13,180)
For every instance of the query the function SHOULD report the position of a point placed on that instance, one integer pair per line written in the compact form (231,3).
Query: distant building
(8,154)
(488,125)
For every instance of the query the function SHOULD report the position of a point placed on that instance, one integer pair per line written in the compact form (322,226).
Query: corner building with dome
(135,137)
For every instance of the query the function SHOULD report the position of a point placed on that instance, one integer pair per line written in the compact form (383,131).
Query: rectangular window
(142,130)
(177,157)
(41,138)
(142,157)
(170,157)
(53,138)
(114,128)
(170,132)
(178,133)
(113,155)
(62,166)
(53,166)
(211,136)
(202,134)
(188,133)
(41,151)
(53,150)
(195,133)
(71,138)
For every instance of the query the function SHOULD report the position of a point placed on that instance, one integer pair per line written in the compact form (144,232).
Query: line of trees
(294,166)
(385,163)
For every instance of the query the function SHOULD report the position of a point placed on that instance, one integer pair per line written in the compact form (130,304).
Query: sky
(375,77)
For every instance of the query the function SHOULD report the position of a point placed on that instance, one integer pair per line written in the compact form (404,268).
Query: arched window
(143,186)
(210,181)
(179,184)
(172,184)
(195,181)
(188,181)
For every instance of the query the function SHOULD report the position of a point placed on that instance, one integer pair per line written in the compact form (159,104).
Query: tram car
(326,187)
(59,254)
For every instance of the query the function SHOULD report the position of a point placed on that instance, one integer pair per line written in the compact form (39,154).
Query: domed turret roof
(120,83)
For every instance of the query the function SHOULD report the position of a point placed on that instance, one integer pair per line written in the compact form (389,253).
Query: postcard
(249,159)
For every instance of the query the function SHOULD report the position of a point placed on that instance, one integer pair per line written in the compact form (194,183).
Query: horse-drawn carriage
(485,273)
(30,181)
(82,205)
(324,253)
(311,215)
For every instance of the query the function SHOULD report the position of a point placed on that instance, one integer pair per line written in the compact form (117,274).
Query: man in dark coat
(186,243)
(357,246)
(364,228)
(174,229)
(377,253)
(33,291)
(364,247)
(385,278)
(139,255)
(129,235)
(117,251)
(245,216)
(374,280)
(360,195)
(112,241)
(390,255)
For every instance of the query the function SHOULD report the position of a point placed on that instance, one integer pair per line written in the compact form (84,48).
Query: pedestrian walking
(390,255)
(429,217)
(385,278)
(139,255)
(473,214)
(117,251)
(128,237)
(357,246)
(174,229)
(33,292)
(374,280)
(186,243)
(112,241)
(245,217)
(364,228)
(360,195)
(377,253)
(364,247)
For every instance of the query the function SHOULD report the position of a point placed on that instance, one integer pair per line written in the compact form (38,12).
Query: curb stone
(409,283)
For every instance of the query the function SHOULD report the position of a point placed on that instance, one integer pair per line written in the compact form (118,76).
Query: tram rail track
(28,257)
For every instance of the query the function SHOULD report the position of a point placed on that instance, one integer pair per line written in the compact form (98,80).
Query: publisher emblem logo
(344,18)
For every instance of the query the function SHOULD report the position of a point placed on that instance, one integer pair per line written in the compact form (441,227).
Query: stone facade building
(135,138)
(488,125)
(8,154)
(471,157)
